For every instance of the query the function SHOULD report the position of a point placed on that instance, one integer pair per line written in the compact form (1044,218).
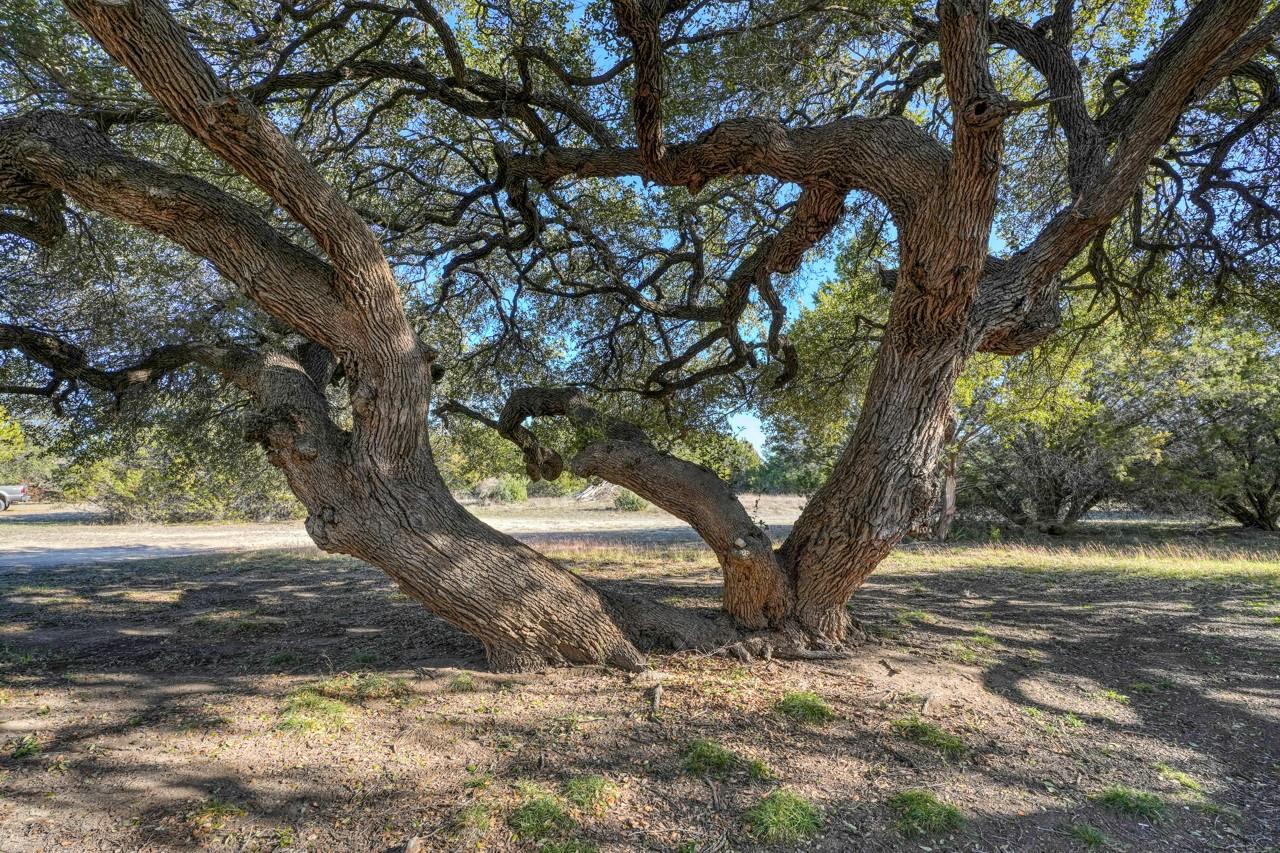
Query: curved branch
(1140,122)
(145,38)
(756,592)
(890,157)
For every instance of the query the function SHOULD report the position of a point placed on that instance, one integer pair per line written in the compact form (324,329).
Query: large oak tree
(620,193)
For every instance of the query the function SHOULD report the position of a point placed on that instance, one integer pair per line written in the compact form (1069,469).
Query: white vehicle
(13,494)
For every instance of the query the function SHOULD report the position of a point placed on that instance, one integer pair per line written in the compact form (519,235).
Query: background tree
(611,198)
(1222,417)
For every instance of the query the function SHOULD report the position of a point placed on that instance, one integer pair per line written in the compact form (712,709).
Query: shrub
(503,489)
(203,473)
(566,485)
(629,502)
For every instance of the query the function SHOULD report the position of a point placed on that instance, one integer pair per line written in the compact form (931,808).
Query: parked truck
(12,495)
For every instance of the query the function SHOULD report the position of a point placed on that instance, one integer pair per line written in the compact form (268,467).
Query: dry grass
(1156,560)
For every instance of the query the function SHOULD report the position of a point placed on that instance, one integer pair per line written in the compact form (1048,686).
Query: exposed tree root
(653,626)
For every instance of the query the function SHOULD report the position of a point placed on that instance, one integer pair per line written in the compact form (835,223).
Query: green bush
(159,481)
(566,485)
(627,501)
(503,489)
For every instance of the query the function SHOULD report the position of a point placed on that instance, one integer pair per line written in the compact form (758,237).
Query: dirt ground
(272,700)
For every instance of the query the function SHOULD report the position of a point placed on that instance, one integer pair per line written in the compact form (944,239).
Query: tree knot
(985,111)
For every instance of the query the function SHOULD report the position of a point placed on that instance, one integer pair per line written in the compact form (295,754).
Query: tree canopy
(600,213)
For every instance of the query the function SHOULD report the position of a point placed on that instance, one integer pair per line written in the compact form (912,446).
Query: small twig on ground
(892,671)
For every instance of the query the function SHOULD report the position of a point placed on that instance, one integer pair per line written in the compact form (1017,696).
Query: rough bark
(947,506)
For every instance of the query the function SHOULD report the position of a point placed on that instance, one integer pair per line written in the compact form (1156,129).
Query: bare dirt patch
(201,702)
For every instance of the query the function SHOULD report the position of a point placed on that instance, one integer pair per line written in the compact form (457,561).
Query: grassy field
(1022,696)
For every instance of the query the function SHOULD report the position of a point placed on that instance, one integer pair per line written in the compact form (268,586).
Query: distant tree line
(1177,414)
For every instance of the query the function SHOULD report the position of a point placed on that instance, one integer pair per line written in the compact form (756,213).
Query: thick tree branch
(1050,55)
(68,363)
(144,37)
(756,592)
(62,155)
(388,370)
(890,157)
(1139,124)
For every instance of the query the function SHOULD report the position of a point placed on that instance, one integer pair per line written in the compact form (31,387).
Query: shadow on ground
(145,706)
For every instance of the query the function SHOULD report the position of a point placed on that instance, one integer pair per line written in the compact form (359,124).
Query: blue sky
(747,426)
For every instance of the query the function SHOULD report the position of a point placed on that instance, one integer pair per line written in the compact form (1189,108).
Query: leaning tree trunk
(525,609)
(881,487)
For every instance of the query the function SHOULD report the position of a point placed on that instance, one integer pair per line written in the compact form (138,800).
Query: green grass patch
(784,817)
(593,794)
(540,816)
(1112,696)
(359,686)
(212,815)
(1207,806)
(1177,776)
(16,661)
(305,710)
(1090,836)
(26,746)
(476,779)
(914,617)
(285,660)
(476,818)
(927,734)
(463,682)
(1131,802)
(919,812)
(707,758)
(1224,564)
(805,707)
(982,637)
(959,651)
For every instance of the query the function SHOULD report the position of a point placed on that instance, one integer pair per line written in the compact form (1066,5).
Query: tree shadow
(164,682)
